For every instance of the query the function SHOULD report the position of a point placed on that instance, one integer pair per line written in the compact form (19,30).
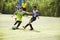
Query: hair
(34,7)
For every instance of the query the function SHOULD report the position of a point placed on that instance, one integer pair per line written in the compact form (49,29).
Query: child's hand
(38,17)
(12,16)
(27,12)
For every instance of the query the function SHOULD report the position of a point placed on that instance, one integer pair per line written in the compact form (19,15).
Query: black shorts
(24,9)
(33,19)
(18,22)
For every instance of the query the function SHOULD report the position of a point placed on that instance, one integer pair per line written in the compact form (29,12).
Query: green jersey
(19,15)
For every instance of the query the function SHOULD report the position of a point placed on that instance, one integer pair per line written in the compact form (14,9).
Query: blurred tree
(1,5)
(45,7)
(58,7)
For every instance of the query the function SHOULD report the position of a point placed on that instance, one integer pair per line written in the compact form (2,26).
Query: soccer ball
(14,27)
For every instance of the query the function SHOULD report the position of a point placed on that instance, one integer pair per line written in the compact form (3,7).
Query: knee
(30,22)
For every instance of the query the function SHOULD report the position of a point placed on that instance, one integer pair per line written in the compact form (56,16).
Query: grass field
(45,28)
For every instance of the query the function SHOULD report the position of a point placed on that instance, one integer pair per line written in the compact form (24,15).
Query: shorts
(24,9)
(33,19)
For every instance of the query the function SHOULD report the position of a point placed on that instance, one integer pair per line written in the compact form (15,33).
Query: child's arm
(37,13)
(25,12)
(38,17)
(14,14)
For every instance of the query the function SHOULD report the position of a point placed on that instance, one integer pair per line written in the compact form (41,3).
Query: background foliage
(45,7)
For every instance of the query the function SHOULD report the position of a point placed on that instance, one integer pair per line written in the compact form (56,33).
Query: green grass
(1,35)
(45,28)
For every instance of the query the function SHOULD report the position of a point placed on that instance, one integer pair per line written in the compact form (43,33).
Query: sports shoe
(31,29)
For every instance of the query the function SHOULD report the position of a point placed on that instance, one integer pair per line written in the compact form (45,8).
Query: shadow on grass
(27,30)
(35,30)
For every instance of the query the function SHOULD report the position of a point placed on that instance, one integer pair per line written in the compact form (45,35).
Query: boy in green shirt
(19,13)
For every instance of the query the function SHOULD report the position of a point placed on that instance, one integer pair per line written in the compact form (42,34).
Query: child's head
(34,7)
(21,9)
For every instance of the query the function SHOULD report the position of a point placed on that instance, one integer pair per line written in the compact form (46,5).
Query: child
(24,5)
(19,13)
(17,6)
(34,16)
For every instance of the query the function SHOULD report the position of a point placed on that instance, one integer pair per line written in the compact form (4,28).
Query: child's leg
(16,22)
(29,24)
(31,27)
(26,26)
(19,22)
(32,19)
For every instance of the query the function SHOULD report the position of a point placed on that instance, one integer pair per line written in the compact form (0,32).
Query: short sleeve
(24,12)
(16,12)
